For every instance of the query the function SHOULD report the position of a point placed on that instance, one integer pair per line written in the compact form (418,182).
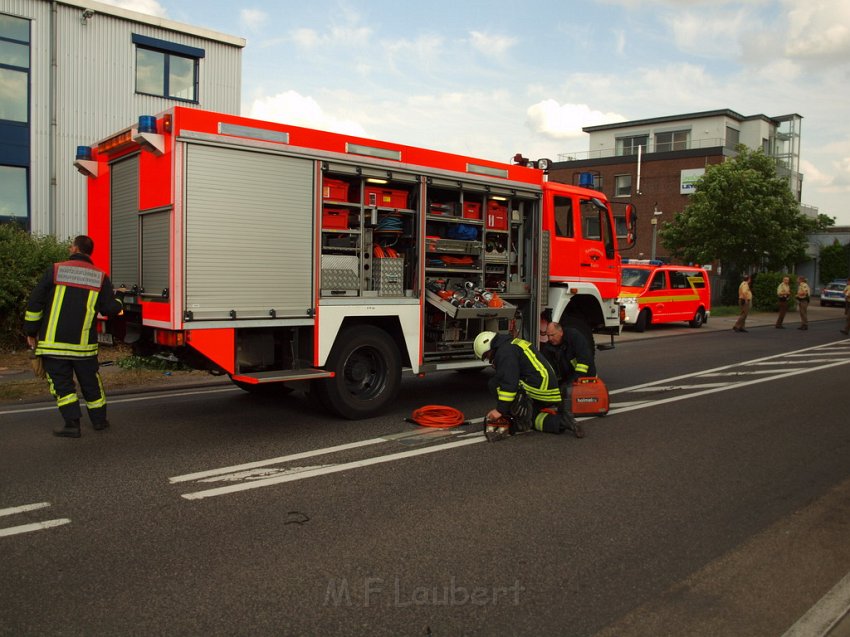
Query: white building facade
(72,73)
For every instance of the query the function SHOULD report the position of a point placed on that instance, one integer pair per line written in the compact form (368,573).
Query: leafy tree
(833,262)
(743,214)
(23,259)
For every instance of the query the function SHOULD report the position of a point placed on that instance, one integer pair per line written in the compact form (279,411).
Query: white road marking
(258,474)
(36,526)
(823,616)
(166,393)
(198,495)
(24,508)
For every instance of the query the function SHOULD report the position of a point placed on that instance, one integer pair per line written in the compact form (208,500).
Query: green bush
(23,259)
(764,292)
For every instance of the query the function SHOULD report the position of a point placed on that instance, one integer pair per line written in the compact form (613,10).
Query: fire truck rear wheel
(367,368)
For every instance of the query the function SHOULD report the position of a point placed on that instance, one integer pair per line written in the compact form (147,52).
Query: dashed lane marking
(34,526)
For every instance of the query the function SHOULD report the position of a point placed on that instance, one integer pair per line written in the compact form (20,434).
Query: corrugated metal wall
(95,96)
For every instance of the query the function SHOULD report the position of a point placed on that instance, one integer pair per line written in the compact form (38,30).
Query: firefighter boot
(571,424)
(70,430)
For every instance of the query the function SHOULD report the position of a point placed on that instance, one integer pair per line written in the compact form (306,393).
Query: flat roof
(726,112)
(163,23)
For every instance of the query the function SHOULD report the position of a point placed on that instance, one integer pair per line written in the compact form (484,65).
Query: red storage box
(335,189)
(335,218)
(471,210)
(590,397)
(385,197)
(497,215)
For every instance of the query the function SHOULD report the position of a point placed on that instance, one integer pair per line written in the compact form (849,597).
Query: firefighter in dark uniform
(571,357)
(522,375)
(61,327)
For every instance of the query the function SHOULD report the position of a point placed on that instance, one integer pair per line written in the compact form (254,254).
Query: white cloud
(296,109)
(253,19)
(150,7)
(565,121)
(819,30)
(493,45)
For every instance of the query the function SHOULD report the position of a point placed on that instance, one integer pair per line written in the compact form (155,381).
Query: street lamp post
(654,221)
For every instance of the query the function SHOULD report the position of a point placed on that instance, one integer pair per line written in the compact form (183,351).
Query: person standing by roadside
(783,293)
(846,329)
(61,327)
(803,296)
(745,301)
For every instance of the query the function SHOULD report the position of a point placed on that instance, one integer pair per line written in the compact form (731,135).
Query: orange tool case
(590,397)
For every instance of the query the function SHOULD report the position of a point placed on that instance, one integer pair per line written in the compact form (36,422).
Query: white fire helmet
(482,344)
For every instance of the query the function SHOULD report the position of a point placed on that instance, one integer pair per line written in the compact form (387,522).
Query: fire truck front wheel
(367,373)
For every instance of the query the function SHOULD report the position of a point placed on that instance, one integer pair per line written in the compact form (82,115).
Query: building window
(13,193)
(14,69)
(167,69)
(622,185)
(732,138)
(629,145)
(675,140)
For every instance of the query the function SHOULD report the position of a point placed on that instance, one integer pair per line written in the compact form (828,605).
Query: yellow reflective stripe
(539,420)
(100,402)
(33,316)
(68,399)
(506,396)
(536,363)
(544,395)
(581,367)
(72,349)
(58,296)
(90,314)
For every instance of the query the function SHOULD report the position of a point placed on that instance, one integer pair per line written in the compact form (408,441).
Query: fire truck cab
(278,254)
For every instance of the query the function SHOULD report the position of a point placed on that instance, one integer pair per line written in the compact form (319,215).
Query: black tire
(367,368)
(264,389)
(643,321)
(699,319)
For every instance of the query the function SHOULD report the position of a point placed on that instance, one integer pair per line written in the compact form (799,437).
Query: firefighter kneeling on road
(525,387)
(571,356)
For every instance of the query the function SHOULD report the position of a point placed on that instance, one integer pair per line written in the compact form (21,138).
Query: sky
(493,78)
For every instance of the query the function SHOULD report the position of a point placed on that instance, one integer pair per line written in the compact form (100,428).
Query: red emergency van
(655,293)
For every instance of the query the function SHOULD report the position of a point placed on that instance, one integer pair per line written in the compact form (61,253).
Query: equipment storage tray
(506,311)
(452,246)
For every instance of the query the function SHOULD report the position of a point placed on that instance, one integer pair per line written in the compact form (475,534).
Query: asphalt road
(713,500)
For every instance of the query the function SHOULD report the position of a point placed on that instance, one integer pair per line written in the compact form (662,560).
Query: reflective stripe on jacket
(63,307)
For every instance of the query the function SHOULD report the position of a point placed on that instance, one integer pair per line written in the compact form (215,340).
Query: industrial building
(71,73)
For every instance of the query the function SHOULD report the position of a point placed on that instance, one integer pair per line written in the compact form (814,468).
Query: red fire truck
(326,262)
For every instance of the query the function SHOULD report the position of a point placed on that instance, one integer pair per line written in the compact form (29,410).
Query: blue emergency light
(147,124)
(84,153)
(585,180)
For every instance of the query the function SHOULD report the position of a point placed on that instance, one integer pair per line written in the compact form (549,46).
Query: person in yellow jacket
(745,301)
(61,327)
(803,296)
(783,293)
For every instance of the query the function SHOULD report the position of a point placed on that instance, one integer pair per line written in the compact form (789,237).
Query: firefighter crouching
(571,356)
(525,387)
(60,324)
